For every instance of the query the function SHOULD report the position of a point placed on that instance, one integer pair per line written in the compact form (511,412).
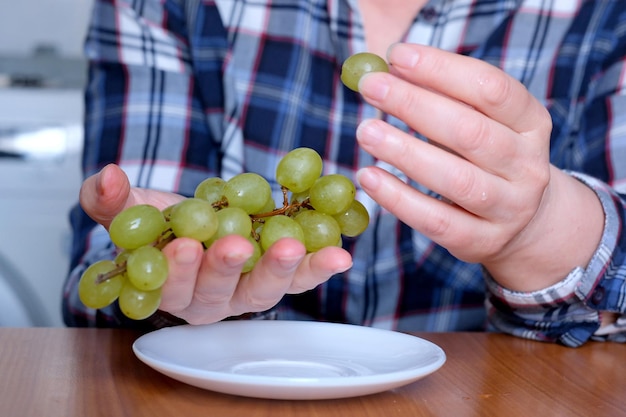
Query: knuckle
(436,224)
(394,201)
(544,122)
(404,101)
(405,153)
(434,63)
(496,89)
(474,133)
(464,184)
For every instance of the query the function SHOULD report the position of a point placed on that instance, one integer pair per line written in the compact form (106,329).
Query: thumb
(104,194)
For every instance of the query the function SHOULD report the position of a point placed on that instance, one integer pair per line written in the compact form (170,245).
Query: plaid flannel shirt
(181,90)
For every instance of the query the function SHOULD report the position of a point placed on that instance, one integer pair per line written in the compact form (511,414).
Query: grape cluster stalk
(316,209)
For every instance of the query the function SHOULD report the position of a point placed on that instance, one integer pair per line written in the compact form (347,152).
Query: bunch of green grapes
(316,210)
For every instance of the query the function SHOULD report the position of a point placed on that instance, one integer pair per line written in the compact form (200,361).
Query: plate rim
(237,383)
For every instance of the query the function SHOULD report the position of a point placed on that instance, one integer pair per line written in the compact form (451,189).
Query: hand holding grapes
(207,285)
(504,204)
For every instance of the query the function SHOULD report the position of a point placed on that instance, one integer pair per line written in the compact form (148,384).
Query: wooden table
(93,372)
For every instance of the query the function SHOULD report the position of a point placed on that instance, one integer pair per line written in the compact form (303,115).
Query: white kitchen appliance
(40,146)
(42,75)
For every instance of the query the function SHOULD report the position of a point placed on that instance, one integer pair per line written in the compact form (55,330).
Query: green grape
(194,218)
(167,214)
(353,221)
(248,191)
(299,197)
(137,304)
(257,227)
(146,268)
(167,230)
(320,230)
(358,65)
(270,205)
(231,221)
(99,295)
(252,260)
(211,189)
(277,227)
(136,226)
(332,194)
(299,169)
(122,257)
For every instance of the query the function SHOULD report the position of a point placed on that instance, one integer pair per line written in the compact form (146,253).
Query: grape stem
(286,209)
(118,270)
(165,238)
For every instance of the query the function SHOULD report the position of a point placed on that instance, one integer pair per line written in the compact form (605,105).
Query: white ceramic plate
(289,359)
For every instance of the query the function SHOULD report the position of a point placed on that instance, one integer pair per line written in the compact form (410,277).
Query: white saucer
(289,359)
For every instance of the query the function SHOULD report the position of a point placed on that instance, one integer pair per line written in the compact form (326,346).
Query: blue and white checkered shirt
(181,90)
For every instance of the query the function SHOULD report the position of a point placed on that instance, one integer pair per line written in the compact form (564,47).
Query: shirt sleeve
(139,110)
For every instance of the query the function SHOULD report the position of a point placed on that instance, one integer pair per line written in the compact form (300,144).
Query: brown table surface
(93,372)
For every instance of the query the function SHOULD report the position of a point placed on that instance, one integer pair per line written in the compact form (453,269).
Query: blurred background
(42,73)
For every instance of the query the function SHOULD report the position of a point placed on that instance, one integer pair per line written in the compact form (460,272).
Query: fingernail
(402,55)
(185,254)
(368,179)
(375,88)
(369,132)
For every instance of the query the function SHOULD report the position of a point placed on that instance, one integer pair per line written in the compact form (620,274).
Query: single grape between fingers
(358,65)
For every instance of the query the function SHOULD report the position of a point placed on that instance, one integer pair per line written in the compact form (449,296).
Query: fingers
(105,194)
(293,271)
(268,282)
(184,260)
(200,285)
(459,117)
(204,288)
(446,224)
(437,169)
(491,158)
(494,157)
(471,81)
(317,267)
(286,268)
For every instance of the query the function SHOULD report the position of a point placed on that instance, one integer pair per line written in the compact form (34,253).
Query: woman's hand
(504,205)
(206,286)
